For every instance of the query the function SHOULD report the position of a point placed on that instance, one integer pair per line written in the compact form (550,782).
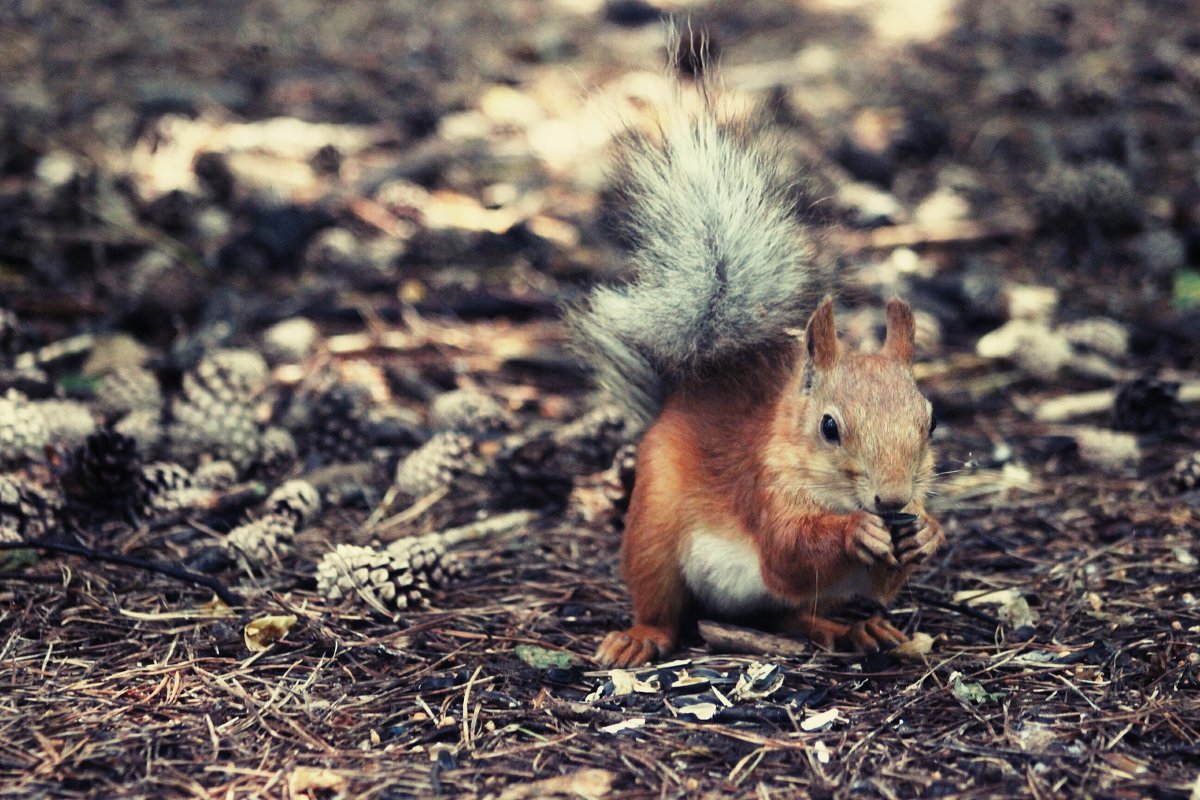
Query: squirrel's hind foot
(873,635)
(869,636)
(639,645)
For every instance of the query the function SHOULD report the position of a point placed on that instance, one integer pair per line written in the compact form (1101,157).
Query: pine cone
(215,417)
(69,423)
(1186,475)
(206,427)
(532,472)
(1112,200)
(232,377)
(439,462)
(1099,335)
(395,426)
(23,431)
(468,411)
(165,487)
(143,426)
(619,484)
(334,427)
(298,500)
(107,467)
(215,475)
(428,560)
(1147,405)
(264,541)
(1061,199)
(127,390)
(277,455)
(390,580)
(589,443)
(27,511)
(11,340)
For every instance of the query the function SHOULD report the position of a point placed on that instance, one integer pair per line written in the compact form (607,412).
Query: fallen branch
(924,234)
(929,598)
(732,639)
(178,573)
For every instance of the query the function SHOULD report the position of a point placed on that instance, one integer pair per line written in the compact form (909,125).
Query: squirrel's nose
(885,504)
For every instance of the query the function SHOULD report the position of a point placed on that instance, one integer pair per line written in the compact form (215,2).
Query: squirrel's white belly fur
(724,573)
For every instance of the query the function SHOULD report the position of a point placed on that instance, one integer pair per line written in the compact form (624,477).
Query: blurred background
(280,301)
(164,164)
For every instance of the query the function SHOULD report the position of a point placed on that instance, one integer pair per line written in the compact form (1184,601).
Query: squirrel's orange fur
(744,506)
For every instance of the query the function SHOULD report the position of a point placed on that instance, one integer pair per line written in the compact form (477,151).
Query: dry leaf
(759,680)
(624,725)
(915,649)
(307,779)
(971,693)
(1014,610)
(265,631)
(701,711)
(625,682)
(586,783)
(819,720)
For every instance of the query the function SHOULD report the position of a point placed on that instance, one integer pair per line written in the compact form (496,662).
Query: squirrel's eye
(932,422)
(829,429)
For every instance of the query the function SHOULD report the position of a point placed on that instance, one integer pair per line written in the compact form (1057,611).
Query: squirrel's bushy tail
(720,263)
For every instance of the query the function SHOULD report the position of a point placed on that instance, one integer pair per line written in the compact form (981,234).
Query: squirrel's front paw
(869,540)
(639,645)
(918,541)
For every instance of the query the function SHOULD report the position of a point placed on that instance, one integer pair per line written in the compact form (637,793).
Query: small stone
(290,341)
(1162,252)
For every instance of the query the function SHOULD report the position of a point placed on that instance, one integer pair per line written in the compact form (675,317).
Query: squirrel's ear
(901,331)
(820,336)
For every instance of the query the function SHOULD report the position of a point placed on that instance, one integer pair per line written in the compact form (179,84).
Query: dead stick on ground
(958,232)
(219,589)
(732,639)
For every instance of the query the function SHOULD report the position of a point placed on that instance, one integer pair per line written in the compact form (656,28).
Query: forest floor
(390,202)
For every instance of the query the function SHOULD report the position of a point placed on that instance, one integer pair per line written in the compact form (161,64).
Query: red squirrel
(778,475)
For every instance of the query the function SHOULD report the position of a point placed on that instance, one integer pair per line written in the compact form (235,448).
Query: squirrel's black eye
(932,422)
(829,429)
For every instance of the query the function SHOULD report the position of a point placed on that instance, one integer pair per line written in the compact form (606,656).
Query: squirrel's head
(863,417)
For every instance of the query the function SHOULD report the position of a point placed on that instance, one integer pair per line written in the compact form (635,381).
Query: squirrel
(777,474)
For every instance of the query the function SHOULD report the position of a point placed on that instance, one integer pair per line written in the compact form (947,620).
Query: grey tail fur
(721,265)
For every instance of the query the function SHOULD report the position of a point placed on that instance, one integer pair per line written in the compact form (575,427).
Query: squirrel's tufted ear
(901,331)
(820,336)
